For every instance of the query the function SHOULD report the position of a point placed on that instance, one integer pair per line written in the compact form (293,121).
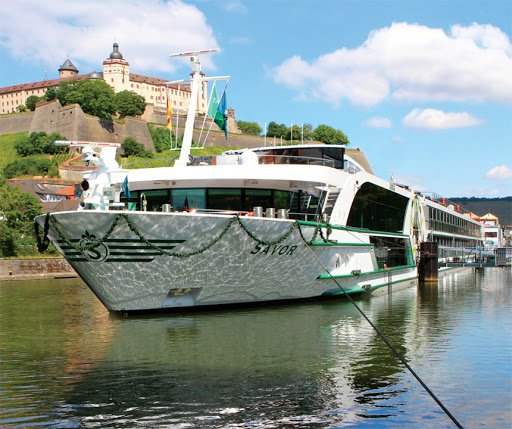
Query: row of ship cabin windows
(455,242)
(441,221)
(299,204)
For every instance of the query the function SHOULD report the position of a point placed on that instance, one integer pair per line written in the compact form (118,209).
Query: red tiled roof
(69,191)
(156,81)
(39,85)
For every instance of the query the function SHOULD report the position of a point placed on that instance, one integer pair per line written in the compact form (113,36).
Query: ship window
(258,198)
(155,199)
(188,199)
(377,209)
(225,199)
(392,251)
(281,200)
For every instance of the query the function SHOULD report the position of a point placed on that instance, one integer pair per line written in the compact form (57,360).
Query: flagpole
(265,134)
(208,110)
(169,116)
(177,115)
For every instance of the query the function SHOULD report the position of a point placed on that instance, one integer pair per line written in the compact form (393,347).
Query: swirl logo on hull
(97,254)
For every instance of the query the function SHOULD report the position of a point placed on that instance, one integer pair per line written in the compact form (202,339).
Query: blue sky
(423,88)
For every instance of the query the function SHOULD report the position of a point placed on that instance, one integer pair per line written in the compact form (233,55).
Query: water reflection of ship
(260,363)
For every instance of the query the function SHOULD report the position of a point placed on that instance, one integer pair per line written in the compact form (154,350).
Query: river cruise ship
(252,225)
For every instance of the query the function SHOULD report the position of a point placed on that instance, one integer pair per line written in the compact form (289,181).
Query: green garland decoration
(265,242)
(43,244)
(131,225)
(134,229)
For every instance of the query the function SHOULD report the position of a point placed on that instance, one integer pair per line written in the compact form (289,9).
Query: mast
(189,125)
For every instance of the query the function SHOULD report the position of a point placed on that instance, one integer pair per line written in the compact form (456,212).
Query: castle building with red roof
(116,72)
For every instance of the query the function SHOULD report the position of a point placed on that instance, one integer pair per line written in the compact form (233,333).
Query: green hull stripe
(321,243)
(142,254)
(72,252)
(326,276)
(350,228)
(126,240)
(114,260)
(371,288)
(139,247)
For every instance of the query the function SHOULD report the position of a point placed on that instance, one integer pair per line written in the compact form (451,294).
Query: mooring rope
(383,338)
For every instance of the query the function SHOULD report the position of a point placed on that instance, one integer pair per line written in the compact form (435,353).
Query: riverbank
(35,268)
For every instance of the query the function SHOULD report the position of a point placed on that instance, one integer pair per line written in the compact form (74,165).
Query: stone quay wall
(36,268)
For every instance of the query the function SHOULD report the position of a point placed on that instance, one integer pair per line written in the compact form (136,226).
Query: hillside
(500,207)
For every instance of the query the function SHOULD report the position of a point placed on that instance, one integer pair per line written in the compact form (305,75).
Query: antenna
(194,60)
(193,53)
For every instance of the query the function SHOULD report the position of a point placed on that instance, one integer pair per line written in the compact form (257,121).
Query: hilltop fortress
(116,72)
(71,122)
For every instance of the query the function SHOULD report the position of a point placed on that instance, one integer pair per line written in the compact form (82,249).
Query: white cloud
(147,32)
(378,122)
(499,173)
(397,140)
(409,62)
(235,6)
(431,119)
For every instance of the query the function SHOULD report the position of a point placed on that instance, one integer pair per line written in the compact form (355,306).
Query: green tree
(161,138)
(64,90)
(251,128)
(17,212)
(18,208)
(7,240)
(307,129)
(328,135)
(50,94)
(275,130)
(31,102)
(131,146)
(24,147)
(38,143)
(95,97)
(129,104)
(32,166)
(294,132)
(21,108)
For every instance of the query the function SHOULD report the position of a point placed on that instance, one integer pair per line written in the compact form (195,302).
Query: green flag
(214,103)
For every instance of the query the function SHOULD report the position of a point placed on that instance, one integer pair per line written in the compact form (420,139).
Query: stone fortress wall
(71,122)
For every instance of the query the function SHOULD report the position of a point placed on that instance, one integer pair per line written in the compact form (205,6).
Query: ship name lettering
(277,249)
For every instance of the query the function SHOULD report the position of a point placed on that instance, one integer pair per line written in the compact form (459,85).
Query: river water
(66,363)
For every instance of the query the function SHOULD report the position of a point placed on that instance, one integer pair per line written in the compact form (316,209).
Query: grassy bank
(7,152)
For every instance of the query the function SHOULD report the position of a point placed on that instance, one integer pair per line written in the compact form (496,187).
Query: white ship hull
(128,273)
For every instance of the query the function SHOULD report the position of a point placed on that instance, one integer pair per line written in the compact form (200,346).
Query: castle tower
(67,69)
(116,70)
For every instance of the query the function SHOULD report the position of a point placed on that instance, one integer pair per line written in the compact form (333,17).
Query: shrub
(161,138)
(28,166)
(131,146)
(39,143)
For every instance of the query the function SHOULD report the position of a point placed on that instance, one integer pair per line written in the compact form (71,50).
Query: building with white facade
(493,232)
(116,72)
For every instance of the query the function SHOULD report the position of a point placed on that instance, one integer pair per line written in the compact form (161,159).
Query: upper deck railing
(231,160)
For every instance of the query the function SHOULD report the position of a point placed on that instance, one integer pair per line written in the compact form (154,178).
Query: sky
(423,88)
